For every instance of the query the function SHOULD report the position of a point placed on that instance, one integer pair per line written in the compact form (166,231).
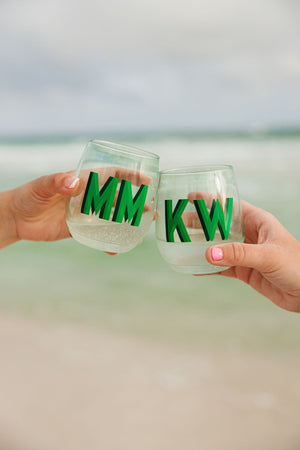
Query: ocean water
(137,292)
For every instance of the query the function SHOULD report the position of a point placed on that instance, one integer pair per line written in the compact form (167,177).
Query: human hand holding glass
(268,260)
(35,211)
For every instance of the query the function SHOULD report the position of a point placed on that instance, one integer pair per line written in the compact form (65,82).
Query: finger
(70,185)
(137,178)
(248,208)
(58,183)
(260,257)
(191,220)
(146,208)
(207,196)
(206,274)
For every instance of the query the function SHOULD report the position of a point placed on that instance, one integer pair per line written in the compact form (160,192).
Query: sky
(141,65)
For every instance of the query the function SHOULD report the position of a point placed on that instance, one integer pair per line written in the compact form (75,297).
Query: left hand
(38,207)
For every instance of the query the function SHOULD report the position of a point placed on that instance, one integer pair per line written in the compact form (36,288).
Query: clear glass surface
(197,207)
(113,207)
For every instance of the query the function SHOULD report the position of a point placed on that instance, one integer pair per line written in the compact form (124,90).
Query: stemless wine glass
(113,206)
(197,207)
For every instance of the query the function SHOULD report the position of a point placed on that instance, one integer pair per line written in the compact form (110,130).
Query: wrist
(8,229)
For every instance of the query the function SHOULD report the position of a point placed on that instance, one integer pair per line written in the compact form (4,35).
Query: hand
(37,209)
(269,260)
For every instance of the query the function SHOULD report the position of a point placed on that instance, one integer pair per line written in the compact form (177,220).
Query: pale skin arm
(8,233)
(269,260)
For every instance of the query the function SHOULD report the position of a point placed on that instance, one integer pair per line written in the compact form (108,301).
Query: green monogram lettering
(128,208)
(95,200)
(215,219)
(101,201)
(209,221)
(174,221)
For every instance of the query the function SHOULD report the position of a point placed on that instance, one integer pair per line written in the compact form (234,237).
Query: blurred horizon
(215,133)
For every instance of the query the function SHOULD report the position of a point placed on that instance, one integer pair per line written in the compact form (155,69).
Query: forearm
(8,233)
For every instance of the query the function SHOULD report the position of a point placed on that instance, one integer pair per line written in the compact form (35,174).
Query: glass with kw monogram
(113,207)
(197,207)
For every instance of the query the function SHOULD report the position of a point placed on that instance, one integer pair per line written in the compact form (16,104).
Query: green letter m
(95,200)
(215,219)
(131,209)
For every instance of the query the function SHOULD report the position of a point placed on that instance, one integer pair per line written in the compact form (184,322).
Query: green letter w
(215,219)
(102,200)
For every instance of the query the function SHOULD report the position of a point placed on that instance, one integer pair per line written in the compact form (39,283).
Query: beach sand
(70,387)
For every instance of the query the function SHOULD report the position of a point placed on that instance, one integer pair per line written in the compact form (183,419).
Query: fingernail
(216,254)
(71,182)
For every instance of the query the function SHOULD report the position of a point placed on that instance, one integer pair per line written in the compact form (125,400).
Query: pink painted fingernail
(216,254)
(71,182)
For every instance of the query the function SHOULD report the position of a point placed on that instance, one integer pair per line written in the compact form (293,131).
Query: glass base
(198,270)
(99,245)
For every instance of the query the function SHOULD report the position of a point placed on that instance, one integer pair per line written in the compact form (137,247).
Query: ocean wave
(276,154)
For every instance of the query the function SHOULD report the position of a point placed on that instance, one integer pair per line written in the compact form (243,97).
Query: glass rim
(194,170)
(123,148)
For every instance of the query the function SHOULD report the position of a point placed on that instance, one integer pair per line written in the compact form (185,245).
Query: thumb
(257,256)
(58,183)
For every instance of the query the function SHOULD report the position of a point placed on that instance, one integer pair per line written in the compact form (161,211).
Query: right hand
(269,260)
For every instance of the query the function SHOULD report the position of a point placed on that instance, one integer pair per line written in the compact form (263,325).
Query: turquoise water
(137,292)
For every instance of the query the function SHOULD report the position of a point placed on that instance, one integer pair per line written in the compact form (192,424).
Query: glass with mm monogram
(197,207)
(113,207)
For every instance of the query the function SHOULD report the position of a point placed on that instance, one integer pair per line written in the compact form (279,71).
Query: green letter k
(174,221)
